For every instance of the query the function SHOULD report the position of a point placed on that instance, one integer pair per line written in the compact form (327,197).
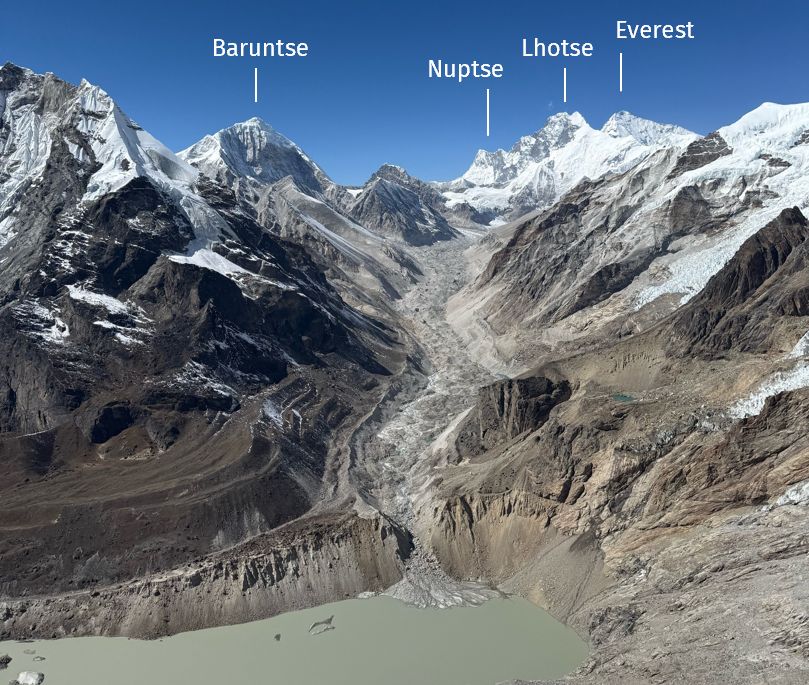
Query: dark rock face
(803,139)
(431,198)
(392,209)
(426,192)
(174,378)
(183,306)
(110,421)
(775,162)
(507,409)
(552,261)
(733,470)
(701,152)
(766,279)
(535,259)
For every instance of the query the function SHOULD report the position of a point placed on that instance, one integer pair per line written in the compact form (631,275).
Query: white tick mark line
(255,84)
(488,114)
(564,84)
(620,72)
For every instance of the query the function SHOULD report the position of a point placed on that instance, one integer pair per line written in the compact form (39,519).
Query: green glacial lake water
(623,397)
(378,641)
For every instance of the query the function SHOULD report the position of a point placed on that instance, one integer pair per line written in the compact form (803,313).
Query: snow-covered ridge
(644,131)
(123,148)
(765,153)
(542,166)
(111,304)
(770,125)
(254,150)
(501,166)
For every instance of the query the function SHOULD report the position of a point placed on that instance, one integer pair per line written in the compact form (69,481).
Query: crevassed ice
(783,381)
(801,348)
(24,155)
(690,269)
(797,494)
(769,128)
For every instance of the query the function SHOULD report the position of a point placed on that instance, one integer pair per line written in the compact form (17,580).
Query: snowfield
(543,166)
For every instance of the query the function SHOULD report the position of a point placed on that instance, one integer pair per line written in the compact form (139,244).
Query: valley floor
(398,463)
(717,605)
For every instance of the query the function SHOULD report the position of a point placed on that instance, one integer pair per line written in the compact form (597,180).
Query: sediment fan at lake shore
(231,387)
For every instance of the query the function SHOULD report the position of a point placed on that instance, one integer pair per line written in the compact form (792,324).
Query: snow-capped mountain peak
(264,131)
(559,127)
(770,125)
(644,131)
(40,114)
(123,148)
(501,166)
(254,150)
(541,166)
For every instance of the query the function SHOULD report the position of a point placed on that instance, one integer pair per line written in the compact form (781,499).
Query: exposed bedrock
(620,517)
(314,563)
(509,539)
(396,210)
(742,306)
(701,152)
(506,409)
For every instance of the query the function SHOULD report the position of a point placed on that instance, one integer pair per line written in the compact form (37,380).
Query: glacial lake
(370,642)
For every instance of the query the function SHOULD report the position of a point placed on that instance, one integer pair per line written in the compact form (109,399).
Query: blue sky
(362,97)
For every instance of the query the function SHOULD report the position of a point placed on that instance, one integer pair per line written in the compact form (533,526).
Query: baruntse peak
(253,149)
(265,132)
(259,124)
